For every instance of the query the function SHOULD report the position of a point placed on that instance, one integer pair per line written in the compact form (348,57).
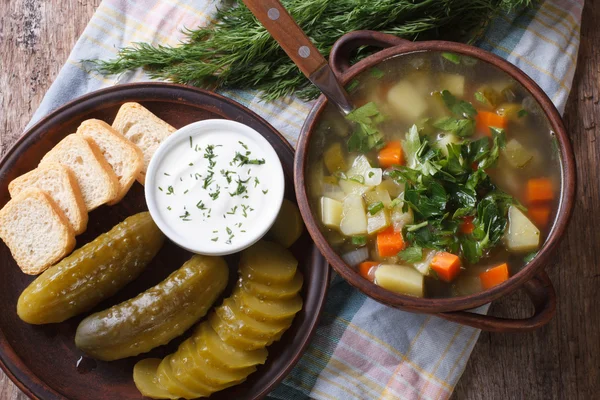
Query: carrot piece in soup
(494,276)
(391,155)
(389,242)
(539,214)
(365,268)
(467,226)
(446,265)
(485,119)
(539,190)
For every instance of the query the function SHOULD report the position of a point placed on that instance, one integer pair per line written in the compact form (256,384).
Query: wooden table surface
(559,361)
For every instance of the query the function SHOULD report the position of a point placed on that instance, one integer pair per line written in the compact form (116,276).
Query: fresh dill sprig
(238,52)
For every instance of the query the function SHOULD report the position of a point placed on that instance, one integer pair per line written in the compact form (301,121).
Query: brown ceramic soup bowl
(532,278)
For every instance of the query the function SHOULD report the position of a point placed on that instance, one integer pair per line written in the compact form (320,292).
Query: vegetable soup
(444,181)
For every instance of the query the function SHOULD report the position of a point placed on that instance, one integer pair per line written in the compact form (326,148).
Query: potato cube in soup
(373,176)
(331,212)
(354,217)
(424,266)
(353,187)
(378,222)
(400,279)
(522,235)
(378,195)
(406,100)
(454,83)
(400,218)
(391,187)
(360,165)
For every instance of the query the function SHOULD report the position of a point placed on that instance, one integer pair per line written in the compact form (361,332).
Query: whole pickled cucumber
(157,315)
(92,273)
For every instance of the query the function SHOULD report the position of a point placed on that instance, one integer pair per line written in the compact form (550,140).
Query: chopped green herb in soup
(443,182)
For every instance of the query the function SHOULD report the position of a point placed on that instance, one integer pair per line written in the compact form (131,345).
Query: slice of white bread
(35,230)
(143,129)
(96,179)
(125,158)
(60,183)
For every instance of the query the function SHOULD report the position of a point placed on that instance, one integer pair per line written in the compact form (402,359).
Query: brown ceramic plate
(42,360)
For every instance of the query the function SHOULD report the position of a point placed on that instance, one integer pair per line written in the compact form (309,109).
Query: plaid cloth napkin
(362,349)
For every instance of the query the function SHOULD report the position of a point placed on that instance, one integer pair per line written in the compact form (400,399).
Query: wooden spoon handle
(288,34)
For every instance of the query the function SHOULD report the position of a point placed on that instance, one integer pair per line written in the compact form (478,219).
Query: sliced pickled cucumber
(267,310)
(144,377)
(288,226)
(182,364)
(230,312)
(166,378)
(92,273)
(210,344)
(232,337)
(274,291)
(268,263)
(212,374)
(157,315)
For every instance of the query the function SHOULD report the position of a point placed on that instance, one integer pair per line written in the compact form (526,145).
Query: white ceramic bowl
(179,216)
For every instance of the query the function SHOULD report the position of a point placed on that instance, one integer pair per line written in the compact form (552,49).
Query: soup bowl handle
(542,295)
(342,49)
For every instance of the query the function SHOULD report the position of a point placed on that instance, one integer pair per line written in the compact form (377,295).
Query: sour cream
(214,187)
